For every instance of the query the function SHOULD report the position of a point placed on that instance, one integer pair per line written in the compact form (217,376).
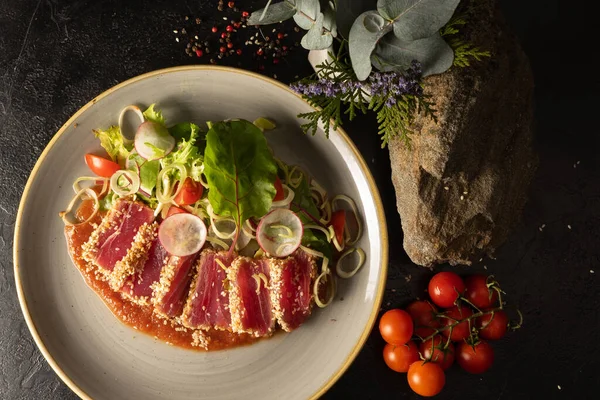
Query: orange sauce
(141,318)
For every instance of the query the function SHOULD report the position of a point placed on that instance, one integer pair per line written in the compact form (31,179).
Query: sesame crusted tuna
(208,303)
(110,242)
(291,288)
(138,287)
(136,256)
(249,297)
(170,291)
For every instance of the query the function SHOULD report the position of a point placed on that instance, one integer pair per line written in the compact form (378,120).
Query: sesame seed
(569,226)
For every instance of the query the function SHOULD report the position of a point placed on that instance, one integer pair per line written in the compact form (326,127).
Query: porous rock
(462,185)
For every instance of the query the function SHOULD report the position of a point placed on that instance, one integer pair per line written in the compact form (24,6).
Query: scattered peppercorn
(245,14)
(214,29)
(229,28)
(229,45)
(280,35)
(198,21)
(198,53)
(231,4)
(239,52)
(260,51)
(222,49)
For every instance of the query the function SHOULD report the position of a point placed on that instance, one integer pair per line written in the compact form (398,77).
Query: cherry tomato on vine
(444,288)
(492,327)
(475,359)
(396,326)
(101,166)
(424,317)
(399,358)
(433,351)
(190,193)
(461,330)
(426,379)
(478,293)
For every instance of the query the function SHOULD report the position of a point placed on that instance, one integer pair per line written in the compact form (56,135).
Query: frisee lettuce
(154,115)
(115,144)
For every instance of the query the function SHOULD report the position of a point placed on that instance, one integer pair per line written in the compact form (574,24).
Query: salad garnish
(224,186)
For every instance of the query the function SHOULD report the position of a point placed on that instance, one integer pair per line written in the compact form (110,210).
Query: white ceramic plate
(98,356)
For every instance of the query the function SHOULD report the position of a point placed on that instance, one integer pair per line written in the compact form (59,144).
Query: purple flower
(326,87)
(392,85)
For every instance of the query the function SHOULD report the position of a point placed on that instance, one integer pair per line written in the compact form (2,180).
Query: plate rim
(363,165)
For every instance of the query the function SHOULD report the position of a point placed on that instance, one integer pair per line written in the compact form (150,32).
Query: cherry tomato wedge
(461,330)
(338,221)
(492,327)
(101,166)
(279,195)
(426,379)
(399,358)
(424,317)
(475,359)
(190,193)
(396,327)
(444,289)
(433,350)
(478,293)
(175,210)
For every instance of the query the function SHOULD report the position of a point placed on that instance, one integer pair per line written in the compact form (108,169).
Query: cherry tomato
(279,195)
(475,359)
(175,210)
(426,379)
(399,358)
(478,293)
(460,331)
(492,327)
(190,193)
(101,166)
(338,221)
(396,326)
(424,317)
(433,351)
(444,288)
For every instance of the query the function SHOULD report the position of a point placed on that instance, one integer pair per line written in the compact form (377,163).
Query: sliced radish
(279,233)
(153,141)
(182,234)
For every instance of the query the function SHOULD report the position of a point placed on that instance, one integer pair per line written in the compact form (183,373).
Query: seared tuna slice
(208,303)
(291,288)
(136,256)
(110,242)
(170,292)
(139,286)
(249,297)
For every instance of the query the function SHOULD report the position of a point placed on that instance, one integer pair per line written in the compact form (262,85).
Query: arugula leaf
(154,115)
(240,171)
(115,144)
(303,204)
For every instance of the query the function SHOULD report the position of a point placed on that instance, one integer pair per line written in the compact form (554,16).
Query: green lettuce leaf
(154,115)
(240,170)
(191,142)
(117,147)
(149,175)
(303,204)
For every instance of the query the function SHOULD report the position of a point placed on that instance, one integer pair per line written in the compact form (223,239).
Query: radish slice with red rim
(153,141)
(279,233)
(182,234)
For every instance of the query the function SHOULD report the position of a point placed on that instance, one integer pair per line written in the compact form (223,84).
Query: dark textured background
(56,55)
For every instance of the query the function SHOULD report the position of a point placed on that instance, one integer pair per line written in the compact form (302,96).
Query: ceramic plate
(98,356)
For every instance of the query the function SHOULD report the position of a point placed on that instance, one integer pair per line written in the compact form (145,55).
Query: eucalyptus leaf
(315,39)
(393,54)
(366,31)
(417,19)
(307,13)
(348,10)
(274,13)
(329,22)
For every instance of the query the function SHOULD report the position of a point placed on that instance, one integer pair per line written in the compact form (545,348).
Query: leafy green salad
(228,182)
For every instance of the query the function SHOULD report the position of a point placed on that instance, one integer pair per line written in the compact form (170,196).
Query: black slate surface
(56,55)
